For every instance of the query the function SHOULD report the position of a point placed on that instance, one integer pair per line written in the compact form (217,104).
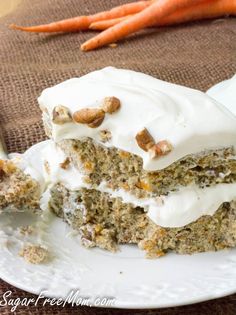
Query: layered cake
(132,160)
(135,160)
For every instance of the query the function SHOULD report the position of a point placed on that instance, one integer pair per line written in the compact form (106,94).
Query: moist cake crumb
(34,254)
(26,230)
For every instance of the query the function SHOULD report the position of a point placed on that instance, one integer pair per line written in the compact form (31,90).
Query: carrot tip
(16,27)
(83,47)
(12,26)
(91,27)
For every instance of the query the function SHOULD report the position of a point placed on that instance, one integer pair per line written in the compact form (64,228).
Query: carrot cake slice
(133,159)
(18,190)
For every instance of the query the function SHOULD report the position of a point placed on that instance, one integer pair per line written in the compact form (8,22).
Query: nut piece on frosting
(144,140)
(160,148)
(93,117)
(97,122)
(110,104)
(61,115)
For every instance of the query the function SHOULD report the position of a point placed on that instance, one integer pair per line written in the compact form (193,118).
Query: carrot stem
(82,22)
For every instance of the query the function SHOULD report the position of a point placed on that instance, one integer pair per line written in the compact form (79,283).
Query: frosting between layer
(174,210)
(189,119)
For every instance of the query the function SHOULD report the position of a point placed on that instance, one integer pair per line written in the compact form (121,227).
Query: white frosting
(225,93)
(70,177)
(189,119)
(179,208)
(174,210)
(190,203)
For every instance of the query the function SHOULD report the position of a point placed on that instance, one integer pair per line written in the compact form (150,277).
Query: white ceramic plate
(225,93)
(134,282)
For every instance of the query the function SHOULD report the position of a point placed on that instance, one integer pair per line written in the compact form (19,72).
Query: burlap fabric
(197,55)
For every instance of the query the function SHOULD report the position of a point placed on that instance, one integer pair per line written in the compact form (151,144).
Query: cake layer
(105,222)
(189,120)
(122,170)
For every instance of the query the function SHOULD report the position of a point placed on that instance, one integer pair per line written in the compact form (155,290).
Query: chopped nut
(93,117)
(105,135)
(65,164)
(34,254)
(61,115)
(144,139)
(110,104)
(159,149)
(97,122)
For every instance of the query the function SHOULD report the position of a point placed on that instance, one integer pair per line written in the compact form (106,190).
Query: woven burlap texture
(196,55)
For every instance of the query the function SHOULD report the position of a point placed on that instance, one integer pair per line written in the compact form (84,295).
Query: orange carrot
(82,22)
(105,24)
(145,18)
(204,10)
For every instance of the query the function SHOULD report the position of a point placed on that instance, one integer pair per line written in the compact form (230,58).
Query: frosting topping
(188,119)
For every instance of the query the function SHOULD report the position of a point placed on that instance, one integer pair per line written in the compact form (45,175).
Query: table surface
(225,305)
